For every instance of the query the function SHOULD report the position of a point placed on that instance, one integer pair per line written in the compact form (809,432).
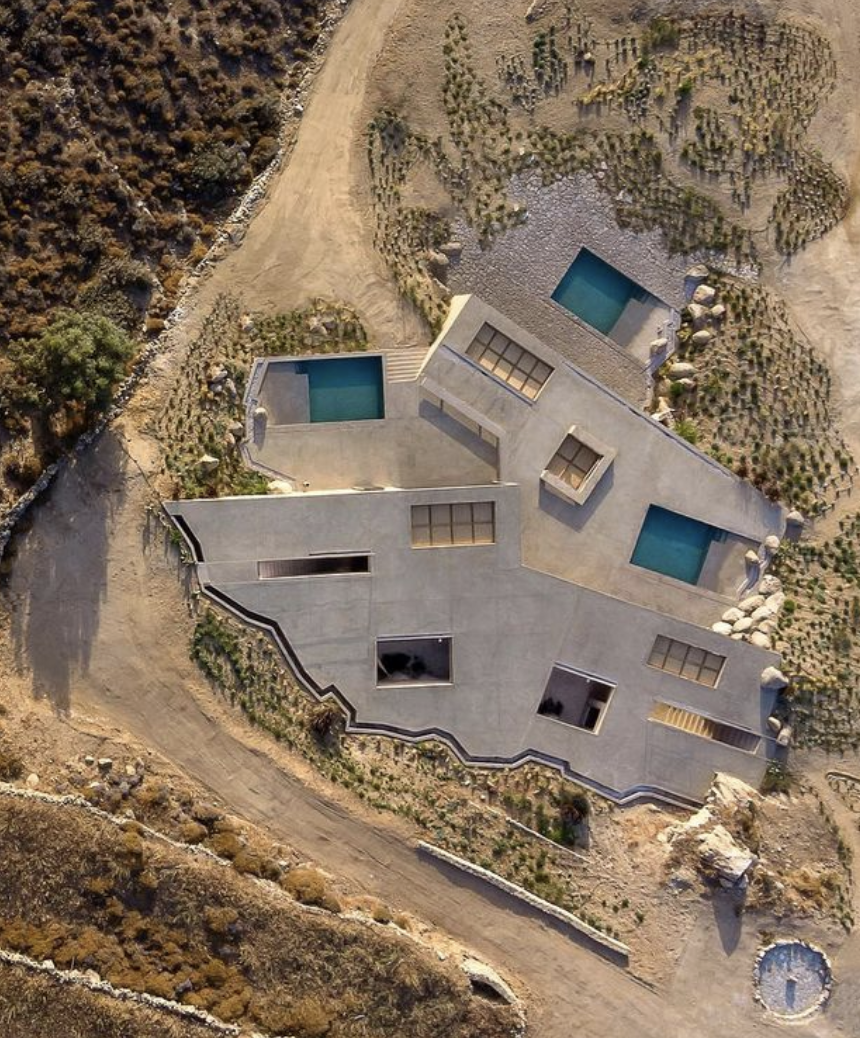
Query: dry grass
(149,918)
(37,1006)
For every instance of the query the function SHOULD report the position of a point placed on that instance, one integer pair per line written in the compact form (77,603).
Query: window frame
(449,517)
(672,651)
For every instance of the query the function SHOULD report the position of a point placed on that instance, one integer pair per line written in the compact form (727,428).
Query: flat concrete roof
(555,587)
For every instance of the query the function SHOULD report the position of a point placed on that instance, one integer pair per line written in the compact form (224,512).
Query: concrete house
(491,548)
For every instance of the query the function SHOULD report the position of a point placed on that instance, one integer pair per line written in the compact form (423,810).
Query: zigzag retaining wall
(606,945)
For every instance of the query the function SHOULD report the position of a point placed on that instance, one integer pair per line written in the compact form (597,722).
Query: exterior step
(705,727)
(403,363)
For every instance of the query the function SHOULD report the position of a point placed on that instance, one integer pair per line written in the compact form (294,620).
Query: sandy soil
(311,237)
(98,622)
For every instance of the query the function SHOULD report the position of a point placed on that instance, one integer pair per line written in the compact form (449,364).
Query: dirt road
(99,623)
(311,237)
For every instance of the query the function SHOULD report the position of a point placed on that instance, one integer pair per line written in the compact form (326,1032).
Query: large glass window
(686,661)
(446,525)
(509,362)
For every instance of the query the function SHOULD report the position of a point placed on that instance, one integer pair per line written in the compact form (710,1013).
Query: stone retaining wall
(607,945)
(231,233)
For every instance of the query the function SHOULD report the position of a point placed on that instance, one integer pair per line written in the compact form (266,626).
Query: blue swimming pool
(596,292)
(344,389)
(674,544)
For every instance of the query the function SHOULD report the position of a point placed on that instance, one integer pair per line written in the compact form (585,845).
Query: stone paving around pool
(521,270)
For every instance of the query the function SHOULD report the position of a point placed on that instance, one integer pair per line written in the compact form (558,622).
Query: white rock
(760,640)
(775,602)
(771,542)
(742,626)
(768,627)
(658,346)
(32,780)
(279,486)
(751,603)
(705,295)
(751,558)
(702,337)
(681,370)
(698,314)
(480,973)
(773,680)
(697,273)
(784,737)
(719,850)
(207,463)
(718,312)
(728,791)
(731,616)
(738,636)
(770,585)
(795,518)
(774,724)
(762,613)
(721,628)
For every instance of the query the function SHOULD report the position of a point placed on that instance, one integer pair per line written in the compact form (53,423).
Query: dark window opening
(413,661)
(575,699)
(313,566)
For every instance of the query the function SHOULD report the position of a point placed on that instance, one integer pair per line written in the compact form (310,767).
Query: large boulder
(721,627)
(769,585)
(728,791)
(751,603)
(698,314)
(742,626)
(680,370)
(775,602)
(731,616)
(705,295)
(773,680)
(762,613)
(760,640)
(702,337)
(728,859)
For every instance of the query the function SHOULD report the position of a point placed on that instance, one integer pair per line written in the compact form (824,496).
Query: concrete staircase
(705,727)
(402,363)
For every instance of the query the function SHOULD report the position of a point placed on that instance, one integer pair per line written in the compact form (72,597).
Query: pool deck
(519,273)
(556,587)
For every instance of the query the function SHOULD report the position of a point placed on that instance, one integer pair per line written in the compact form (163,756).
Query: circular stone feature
(792,979)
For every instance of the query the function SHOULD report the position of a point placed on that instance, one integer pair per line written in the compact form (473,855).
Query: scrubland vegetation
(126,131)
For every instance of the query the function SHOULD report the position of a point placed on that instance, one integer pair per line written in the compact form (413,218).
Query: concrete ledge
(605,945)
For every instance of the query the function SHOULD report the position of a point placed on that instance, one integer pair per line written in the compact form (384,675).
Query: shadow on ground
(59,571)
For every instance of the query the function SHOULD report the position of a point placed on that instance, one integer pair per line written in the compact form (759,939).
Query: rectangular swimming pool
(674,544)
(344,389)
(596,292)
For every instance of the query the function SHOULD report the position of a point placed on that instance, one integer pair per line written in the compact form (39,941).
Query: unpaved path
(98,622)
(100,625)
(311,238)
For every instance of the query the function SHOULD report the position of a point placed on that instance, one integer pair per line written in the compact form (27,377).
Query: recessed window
(313,566)
(573,462)
(686,661)
(508,361)
(448,525)
(575,699)
(413,661)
